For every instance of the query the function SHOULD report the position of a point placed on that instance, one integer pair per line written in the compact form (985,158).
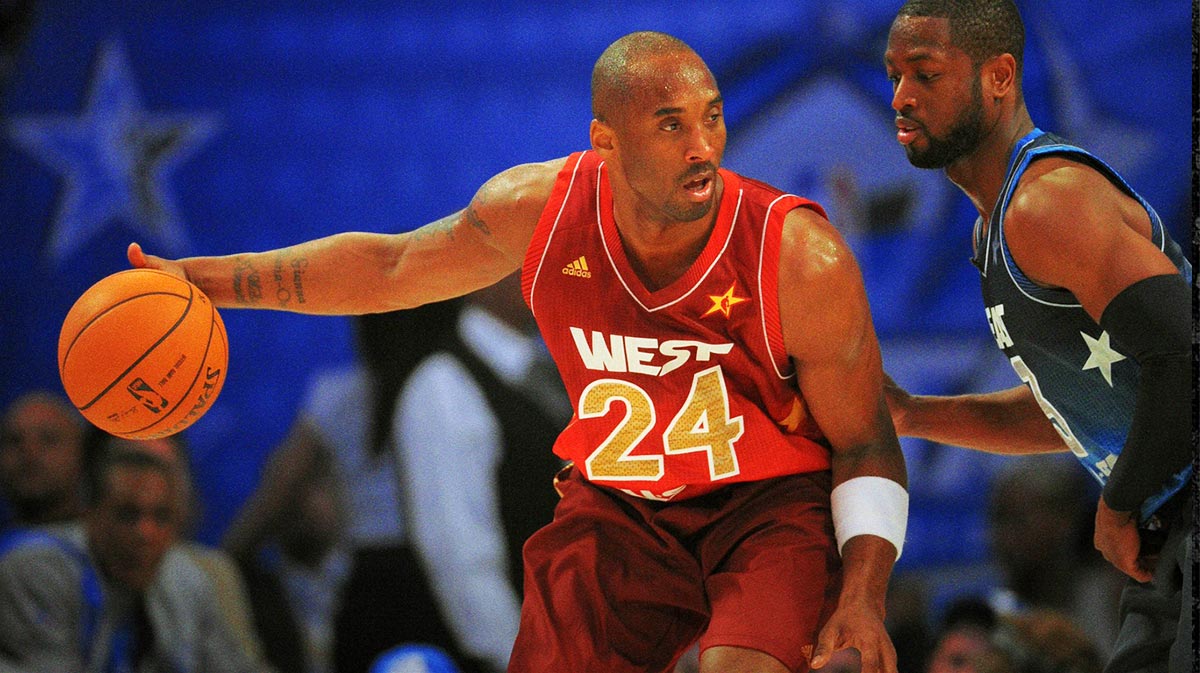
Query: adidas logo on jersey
(577,268)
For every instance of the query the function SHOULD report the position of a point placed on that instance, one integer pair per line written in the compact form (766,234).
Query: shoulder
(187,575)
(822,303)
(1054,186)
(812,250)
(37,564)
(525,186)
(441,380)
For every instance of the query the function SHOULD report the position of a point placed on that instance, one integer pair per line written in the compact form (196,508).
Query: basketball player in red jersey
(736,478)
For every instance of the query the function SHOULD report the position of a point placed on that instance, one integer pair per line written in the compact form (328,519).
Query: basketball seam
(145,354)
(203,359)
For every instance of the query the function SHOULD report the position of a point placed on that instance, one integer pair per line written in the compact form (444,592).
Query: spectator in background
(227,581)
(963,638)
(41,460)
(114,592)
(483,412)
(1040,526)
(974,638)
(294,585)
(1041,641)
(344,422)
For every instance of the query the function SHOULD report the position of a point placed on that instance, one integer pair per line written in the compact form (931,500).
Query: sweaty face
(669,138)
(40,456)
(937,93)
(133,525)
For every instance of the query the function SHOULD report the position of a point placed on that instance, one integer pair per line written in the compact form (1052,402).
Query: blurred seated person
(114,593)
(974,638)
(226,577)
(964,637)
(1040,641)
(41,458)
(294,585)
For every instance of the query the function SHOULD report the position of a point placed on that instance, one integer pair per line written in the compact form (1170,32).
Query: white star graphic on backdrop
(1102,357)
(115,158)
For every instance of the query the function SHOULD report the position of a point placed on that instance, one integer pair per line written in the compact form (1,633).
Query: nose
(702,145)
(902,100)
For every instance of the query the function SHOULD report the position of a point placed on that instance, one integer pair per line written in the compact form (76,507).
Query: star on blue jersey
(1102,355)
(115,158)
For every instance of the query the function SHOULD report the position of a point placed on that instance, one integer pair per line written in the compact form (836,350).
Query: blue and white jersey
(1083,378)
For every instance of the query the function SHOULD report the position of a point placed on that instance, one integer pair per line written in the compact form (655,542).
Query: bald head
(636,62)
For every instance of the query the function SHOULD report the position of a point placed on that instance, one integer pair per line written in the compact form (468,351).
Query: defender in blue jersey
(1084,292)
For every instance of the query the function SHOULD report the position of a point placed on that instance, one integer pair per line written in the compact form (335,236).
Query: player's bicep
(830,335)
(480,244)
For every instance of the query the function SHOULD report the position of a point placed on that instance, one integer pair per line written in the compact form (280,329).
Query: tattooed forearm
(289,279)
(299,266)
(247,285)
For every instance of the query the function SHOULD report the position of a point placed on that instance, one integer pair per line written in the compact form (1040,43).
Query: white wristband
(870,506)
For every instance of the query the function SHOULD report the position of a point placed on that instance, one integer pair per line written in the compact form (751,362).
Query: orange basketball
(143,354)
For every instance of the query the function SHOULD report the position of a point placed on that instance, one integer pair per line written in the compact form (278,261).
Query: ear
(602,138)
(999,76)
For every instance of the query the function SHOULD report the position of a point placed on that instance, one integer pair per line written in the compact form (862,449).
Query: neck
(980,175)
(660,250)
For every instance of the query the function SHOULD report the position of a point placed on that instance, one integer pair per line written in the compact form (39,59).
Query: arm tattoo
(289,270)
(473,218)
(247,285)
(444,226)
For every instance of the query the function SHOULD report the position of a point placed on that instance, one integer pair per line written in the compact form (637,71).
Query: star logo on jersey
(115,158)
(723,302)
(1102,355)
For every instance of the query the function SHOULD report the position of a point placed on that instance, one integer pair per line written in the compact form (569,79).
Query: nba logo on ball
(143,354)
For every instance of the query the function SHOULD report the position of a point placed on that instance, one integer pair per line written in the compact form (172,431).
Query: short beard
(962,139)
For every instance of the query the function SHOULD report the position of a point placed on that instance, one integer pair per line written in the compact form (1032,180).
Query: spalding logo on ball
(143,354)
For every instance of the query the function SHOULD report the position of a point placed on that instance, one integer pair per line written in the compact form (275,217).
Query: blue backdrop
(215,127)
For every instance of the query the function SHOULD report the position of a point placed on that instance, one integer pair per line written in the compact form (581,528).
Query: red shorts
(618,584)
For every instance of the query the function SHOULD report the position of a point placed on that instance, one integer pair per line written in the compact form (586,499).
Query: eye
(927,76)
(670,125)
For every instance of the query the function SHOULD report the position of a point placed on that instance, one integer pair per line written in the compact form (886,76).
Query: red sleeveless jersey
(678,391)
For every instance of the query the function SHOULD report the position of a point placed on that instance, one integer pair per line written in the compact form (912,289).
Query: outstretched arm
(357,272)
(1006,421)
(828,332)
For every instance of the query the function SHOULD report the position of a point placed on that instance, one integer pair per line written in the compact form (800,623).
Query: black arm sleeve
(1152,320)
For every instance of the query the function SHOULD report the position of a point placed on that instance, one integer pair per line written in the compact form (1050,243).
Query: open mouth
(906,131)
(699,188)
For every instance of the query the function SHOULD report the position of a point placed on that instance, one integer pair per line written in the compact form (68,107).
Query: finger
(868,660)
(888,656)
(826,642)
(137,258)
